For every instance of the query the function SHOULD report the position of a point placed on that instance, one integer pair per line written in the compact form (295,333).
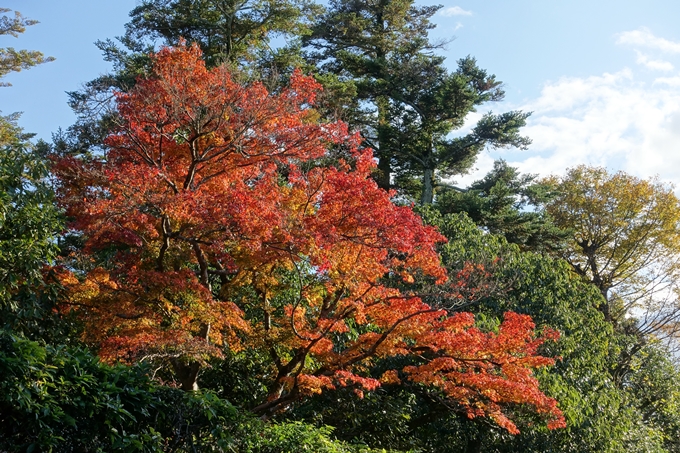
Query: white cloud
(455,11)
(610,120)
(643,37)
(670,81)
(627,120)
(656,65)
(483,165)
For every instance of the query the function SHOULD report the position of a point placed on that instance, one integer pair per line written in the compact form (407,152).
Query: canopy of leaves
(61,399)
(356,46)
(429,104)
(625,241)
(235,32)
(225,30)
(29,223)
(411,102)
(210,222)
(231,230)
(600,415)
(507,203)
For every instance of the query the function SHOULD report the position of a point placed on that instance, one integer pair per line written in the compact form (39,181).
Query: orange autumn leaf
(209,188)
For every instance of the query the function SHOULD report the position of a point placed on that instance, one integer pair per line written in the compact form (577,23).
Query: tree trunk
(187,373)
(384,171)
(605,309)
(427,196)
(383,178)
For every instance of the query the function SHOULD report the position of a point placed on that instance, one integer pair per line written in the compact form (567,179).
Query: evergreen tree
(430,103)
(409,102)
(358,42)
(236,31)
(507,203)
(15,60)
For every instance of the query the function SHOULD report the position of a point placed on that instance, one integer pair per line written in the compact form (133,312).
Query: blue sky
(602,78)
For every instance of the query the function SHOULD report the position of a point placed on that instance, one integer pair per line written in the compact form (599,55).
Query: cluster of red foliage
(211,187)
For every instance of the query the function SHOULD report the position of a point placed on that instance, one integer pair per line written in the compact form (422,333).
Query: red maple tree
(226,216)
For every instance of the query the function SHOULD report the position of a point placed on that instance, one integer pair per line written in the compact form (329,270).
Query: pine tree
(15,60)
(409,101)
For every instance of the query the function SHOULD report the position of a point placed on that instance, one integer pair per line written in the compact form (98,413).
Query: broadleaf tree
(600,416)
(222,215)
(625,240)
(29,224)
(236,32)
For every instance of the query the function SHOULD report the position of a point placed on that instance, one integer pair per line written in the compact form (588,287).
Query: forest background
(273,321)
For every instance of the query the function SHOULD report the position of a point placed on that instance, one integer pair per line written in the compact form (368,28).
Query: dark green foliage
(294,437)
(430,104)
(410,102)
(602,415)
(29,223)
(360,44)
(53,399)
(506,203)
(226,30)
(380,74)
(652,383)
(59,399)
(240,377)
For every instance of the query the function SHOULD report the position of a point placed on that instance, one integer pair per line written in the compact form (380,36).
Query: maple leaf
(211,189)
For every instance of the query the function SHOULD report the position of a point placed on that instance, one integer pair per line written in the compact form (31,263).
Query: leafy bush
(61,399)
